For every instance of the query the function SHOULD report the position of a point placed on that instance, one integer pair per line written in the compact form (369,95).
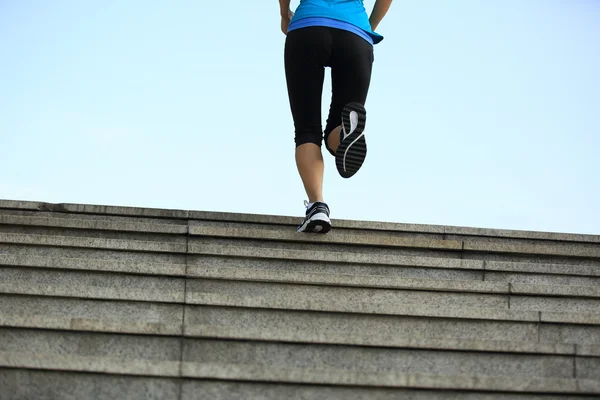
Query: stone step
(284,362)
(91,315)
(93,285)
(260,232)
(197,293)
(162,319)
(413,330)
(75,221)
(123,265)
(396,267)
(243,357)
(203,303)
(340,259)
(217,257)
(254,232)
(105,285)
(375,226)
(93,243)
(354,291)
(32,384)
(447,383)
(386,282)
(24,384)
(287,335)
(90,352)
(223,390)
(356,298)
(78,257)
(365,329)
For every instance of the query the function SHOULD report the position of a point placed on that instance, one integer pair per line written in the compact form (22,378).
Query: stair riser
(176,261)
(542,279)
(91,315)
(160,355)
(24,384)
(365,360)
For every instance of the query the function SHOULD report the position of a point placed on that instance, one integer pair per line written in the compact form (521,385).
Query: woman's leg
(351,67)
(306,54)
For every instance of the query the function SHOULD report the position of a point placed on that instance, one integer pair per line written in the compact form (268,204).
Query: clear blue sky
(480,113)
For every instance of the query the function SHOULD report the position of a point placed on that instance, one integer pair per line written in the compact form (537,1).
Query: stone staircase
(102,302)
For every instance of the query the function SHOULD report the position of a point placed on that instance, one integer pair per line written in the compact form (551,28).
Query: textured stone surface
(588,350)
(503,233)
(215,390)
(290,220)
(520,241)
(90,344)
(571,250)
(588,368)
(21,204)
(293,221)
(18,384)
(92,254)
(87,264)
(197,262)
(95,234)
(389,341)
(91,285)
(556,304)
(543,268)
(264,275)
(315,255)
(90,315)
(119,210)
(370,305)
(93,217)
(391,379)
(529,258)
(562,333)
(372,360)
(334,305)
(571,317)
(196,242)
(231,230)
(322,324)
(557,290)
(539,279)
(91,224)
(94,363)
(97,243)
(351,297)
(120,354)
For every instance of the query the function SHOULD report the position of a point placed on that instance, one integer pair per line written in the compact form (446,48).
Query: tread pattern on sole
(351,152)
(317,226)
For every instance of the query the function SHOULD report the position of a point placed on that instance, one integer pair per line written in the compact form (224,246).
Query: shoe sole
(351,152)
(315,226)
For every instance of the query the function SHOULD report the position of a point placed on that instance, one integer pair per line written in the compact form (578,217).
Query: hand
(285,22)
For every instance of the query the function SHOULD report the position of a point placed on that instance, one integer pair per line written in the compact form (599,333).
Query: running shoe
(352,150)
(317,219)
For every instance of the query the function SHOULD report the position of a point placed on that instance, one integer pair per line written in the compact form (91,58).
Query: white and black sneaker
(317,219)
(352,150)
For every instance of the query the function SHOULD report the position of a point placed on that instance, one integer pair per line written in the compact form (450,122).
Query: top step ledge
(291,221)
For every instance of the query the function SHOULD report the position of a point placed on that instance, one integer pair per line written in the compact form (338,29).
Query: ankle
(333,140)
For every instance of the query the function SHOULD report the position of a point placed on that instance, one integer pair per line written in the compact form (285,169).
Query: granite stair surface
(106,302)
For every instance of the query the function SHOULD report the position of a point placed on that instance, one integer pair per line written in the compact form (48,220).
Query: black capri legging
(307,52)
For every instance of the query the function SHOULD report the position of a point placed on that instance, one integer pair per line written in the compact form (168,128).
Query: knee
(313,135)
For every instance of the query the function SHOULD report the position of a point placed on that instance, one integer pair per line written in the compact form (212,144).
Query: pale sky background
(481,113)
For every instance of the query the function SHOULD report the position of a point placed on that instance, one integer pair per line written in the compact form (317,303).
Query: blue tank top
(348,11)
